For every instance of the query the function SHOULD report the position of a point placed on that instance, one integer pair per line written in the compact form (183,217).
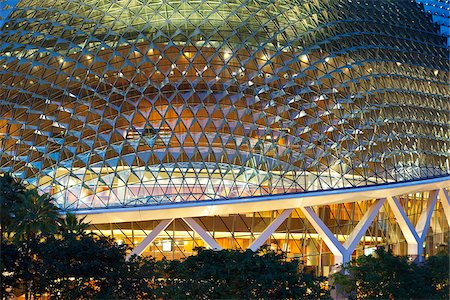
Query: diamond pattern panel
(125,103)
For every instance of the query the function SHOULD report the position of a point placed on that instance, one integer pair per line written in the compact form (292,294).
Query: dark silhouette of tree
(386,276)
(35,215)
(11,197)
(71,225)
(231,274)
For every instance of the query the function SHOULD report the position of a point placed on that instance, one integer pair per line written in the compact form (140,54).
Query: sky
(5,8)
(440,9)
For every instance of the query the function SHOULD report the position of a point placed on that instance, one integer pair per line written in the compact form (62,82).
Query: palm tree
(34,216)
(71,225)
(11,195)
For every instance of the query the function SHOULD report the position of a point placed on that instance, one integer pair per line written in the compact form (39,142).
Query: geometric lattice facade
(131,103)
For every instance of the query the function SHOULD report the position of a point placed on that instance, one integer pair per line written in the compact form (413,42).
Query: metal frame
(445,201)
(206,237)
(150,238)
(342,253)
(415,236)
(262,203)
(270,229)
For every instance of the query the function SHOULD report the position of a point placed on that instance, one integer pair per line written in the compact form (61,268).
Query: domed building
(319,128)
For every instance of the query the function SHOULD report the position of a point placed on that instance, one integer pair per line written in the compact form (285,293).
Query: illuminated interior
(123,104)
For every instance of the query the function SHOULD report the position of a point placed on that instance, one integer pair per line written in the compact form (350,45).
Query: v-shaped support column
(414,236)
(150,238)
(270,229)
(445,200)
(206,237)
(343,252)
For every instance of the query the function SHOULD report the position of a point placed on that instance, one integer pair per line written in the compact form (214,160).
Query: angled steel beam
(260,203)
(150,238)
(325,233)
(343,253)
(405,224)
(425,217)
(414,236)
(353,239)
(445,200)
(270,229)
(206,237)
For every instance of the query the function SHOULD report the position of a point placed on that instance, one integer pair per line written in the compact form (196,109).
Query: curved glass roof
(129,103)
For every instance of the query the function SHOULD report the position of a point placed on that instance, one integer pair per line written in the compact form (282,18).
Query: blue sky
(440,10)
(4,11)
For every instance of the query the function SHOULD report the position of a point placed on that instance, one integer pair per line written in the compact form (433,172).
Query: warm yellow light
(226,54)
(304,58)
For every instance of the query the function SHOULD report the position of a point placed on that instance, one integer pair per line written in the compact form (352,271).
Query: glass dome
(126,103)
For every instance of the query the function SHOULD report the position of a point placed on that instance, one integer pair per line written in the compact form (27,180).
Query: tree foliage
(88,267)
(386,276)
(232,274)
(71,225)
(11,198)
(36,215)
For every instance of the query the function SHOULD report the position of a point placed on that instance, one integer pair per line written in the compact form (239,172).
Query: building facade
(319,128)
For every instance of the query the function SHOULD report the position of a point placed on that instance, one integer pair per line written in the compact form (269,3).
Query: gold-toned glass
(129,102)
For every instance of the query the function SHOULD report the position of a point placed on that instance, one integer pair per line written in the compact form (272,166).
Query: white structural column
(206,237)
(150,238)
(353,239)
(445,200)
(414,236)
(343,253)
(270,229)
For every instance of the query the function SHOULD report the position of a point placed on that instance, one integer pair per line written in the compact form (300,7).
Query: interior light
(304,58)
(226,54)
(166,245)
